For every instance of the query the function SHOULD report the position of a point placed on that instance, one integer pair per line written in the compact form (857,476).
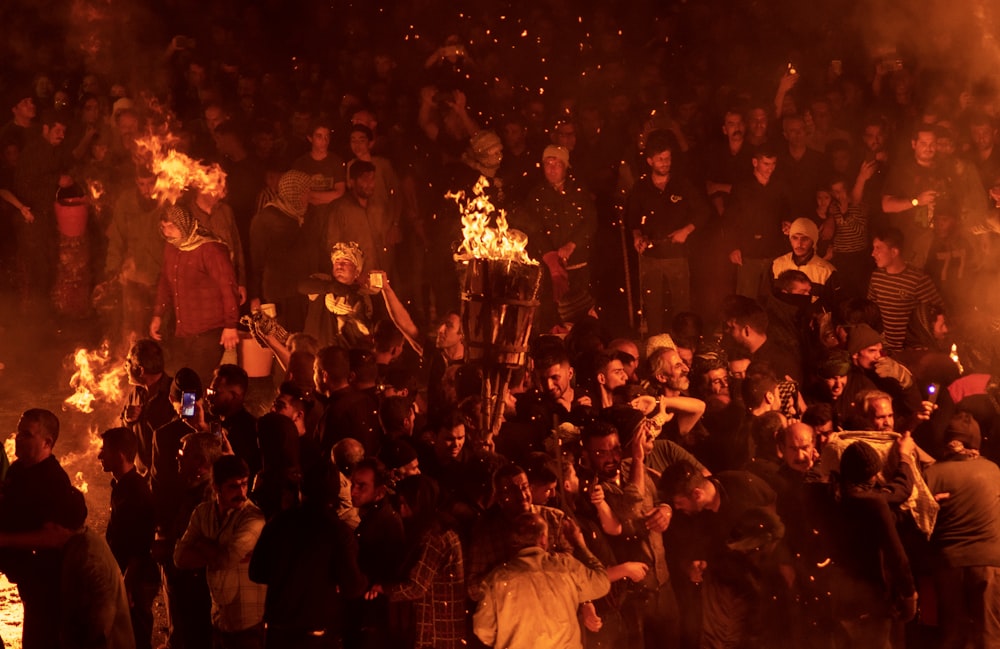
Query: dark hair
(233,376)
(278,440)
(657,142)
(746,312)
(380,475)
(360,168)
(756,386)
(597,430)
(506,472)
(206,446)
(364,130)
(229,467)
(51,116)
(859,310)
(541,474)
(149,354)
(784,281)
(335,361)
(121,440)
(422,496)
(765,151)
(393,413)
(818,414)
(680,479)
(386,336)
(45,419)
(892,237)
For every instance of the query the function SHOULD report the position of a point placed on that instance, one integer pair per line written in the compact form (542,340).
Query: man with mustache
(221,537)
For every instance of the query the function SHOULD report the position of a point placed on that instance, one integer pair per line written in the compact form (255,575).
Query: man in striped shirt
(896,287)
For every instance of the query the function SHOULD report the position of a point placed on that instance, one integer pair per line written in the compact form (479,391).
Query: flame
(480,241)
(96,189)
(176,172)
(97,378)
(80,483)
(954,358)
(9,447)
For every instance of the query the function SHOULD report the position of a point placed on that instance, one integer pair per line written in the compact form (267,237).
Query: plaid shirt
(436,585)
(237,602)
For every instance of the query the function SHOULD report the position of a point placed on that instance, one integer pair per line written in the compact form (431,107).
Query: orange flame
(83,461)
(176,172)
(480,241)
(98,377)
(96,189)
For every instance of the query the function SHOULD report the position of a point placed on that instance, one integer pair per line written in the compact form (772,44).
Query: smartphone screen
(187,404)
(932,392)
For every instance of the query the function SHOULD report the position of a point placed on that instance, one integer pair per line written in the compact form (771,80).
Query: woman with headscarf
(279,252)
(198,285)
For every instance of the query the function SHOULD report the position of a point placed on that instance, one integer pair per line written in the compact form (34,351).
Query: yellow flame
(80,483)
(96,189)
(954,358)
(479,240)
(176,172)
(98,377)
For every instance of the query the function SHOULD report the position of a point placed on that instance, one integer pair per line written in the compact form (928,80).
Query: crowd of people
(760,400)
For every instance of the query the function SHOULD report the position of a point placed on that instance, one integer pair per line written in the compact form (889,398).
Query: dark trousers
(201,352)
(969,606)
(650,619)
(41,614)
(666,291)
(189,608)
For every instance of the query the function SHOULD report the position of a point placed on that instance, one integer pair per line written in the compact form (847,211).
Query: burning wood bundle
(176,172)
(498,299)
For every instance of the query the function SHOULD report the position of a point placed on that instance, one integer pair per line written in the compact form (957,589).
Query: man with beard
(913,187)
(135,251)
(147,406)
(225,397)
(610,376)
(669,377)
(220,538)
(746,322)
(561,400)
(649,610)
(728,161)
(662,212)
(824,284)
(708,512)
(560,219)
(380,538)
(354,216)
(198,285)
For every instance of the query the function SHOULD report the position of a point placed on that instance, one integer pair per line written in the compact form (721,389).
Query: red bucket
(71,212)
